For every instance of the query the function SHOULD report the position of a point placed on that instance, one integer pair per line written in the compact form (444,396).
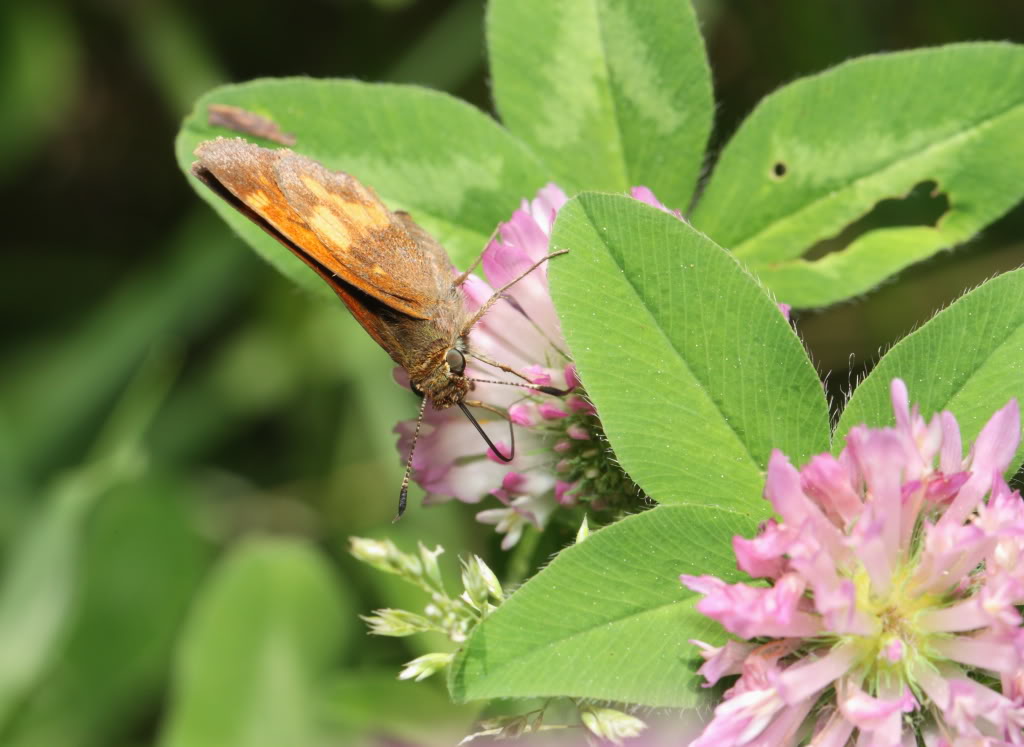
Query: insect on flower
(395,278)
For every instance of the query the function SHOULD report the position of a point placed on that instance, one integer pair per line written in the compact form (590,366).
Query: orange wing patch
(331,219)
(242,174)
(379,254)
(246,172)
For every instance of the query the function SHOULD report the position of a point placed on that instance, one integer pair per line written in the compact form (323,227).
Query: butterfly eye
(456,361)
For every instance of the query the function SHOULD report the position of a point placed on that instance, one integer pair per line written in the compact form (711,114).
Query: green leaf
(41,572)
(454,168)
(608,618)
(38,590)
(694,372)
(36,90)
(868,130)
(262,632)
(967,359)
(140,554)
(612,93)
(49,409)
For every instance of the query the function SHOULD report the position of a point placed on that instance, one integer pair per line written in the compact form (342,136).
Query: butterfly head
(443,378)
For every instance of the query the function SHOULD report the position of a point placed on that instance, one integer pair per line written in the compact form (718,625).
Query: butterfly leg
(491,362)
(497,294)
(554,391)
(476,262)
(484,406)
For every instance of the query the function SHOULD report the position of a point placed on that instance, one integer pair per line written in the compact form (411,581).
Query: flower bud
(479,582)
(607,723)
(422,667)
(396,623)
(384,556)
(583,532)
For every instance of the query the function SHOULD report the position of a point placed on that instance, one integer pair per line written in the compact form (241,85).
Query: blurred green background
(187,440)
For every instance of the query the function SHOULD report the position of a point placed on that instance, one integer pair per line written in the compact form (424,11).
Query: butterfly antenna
(553,391)
(484,436)
(403,494)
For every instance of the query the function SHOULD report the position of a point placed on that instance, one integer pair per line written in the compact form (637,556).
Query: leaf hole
(779,170)
(923,205)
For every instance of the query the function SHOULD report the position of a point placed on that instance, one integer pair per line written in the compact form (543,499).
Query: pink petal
(562,496)
(578,432)
(439,463)
(549,411)
(762,557)
(895,650)
(869,543)
(645,195)
(827,481)
(572,380)
(538,375)
(545,206)
(521,413)
(943,488)
(995,656)
(990,457)
(901,405)
(761,667)
(722,661)
(970,702)
(740,719)
(951,456)
(880,455)
(476,291)
(806,679)
(835,598)
(401,376)
(835,732)
(783,728)
(503,448)
(782,488)
(998,440)
(581,405)
(993,605)
(508,336)
(881,716)
(513,482)
(950,551)
(750,612)
(523,242)
(837,604)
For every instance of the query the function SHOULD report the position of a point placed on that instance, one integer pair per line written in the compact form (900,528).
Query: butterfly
(394,277)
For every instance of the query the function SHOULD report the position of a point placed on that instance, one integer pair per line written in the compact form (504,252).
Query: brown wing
(243,176)
(329,217)
(431,251)
(384,254)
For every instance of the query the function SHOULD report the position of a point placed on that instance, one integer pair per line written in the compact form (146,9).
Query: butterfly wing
(329,216)
(397,261)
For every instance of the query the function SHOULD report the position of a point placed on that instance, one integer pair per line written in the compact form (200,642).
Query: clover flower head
(890,607)
(561,457)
